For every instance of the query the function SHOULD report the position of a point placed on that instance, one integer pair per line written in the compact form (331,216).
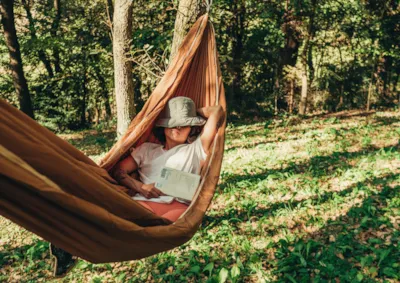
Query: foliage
(353,50)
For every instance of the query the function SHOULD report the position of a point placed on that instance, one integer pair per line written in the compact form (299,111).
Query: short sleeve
(139,153)
(198,147)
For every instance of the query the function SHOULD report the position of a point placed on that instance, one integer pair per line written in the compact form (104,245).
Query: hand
(149,191)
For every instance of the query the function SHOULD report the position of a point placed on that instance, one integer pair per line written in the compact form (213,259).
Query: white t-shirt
(152,157)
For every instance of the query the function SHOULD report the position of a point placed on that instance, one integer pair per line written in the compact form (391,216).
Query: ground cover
(298,201)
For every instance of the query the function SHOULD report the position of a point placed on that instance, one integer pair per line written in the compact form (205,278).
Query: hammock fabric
(54,190)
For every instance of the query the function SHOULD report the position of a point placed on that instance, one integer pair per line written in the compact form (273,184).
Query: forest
(309,185)
(277,57)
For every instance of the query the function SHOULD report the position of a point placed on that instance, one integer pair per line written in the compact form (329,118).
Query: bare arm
(121,175)
(215,116)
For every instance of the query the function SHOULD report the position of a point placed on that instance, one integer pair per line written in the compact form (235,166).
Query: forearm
(216,112)
(123,178)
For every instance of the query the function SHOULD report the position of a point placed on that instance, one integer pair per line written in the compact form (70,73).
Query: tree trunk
(304,62)
(371,82)
(41,54)
(84,94)
(304,91)
(103,85)
(122,66)
(387,76)
(188,12)
(110,20)
(288,54)
(370,87)
(11,40)
(54,28)
(394,88)
(238,30)
(291,98)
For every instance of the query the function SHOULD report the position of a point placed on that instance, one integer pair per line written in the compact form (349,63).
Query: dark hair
(158,132)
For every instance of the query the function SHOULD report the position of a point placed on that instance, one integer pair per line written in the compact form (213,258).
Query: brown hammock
(54,190)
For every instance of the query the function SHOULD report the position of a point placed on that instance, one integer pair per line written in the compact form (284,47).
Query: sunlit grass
(298,201)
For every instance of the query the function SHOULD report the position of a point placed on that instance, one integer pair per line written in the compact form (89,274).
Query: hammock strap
(208,4)
(216,65)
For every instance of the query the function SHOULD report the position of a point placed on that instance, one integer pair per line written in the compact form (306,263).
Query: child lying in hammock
(174,130)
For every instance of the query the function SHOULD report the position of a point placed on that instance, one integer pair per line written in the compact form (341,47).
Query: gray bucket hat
(180,111)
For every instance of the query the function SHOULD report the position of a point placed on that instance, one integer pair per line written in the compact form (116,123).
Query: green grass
(298,201)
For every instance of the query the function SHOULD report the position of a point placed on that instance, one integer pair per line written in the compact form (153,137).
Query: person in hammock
(175,129)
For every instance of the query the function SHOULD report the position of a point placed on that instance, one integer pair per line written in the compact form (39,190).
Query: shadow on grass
(285,135)
(317,166)
(386,120)
(244,215)
(343,114)
(34,251)
(93,142)
(361,246)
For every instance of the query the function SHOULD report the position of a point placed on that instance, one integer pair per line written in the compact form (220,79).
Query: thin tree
(10,36)
(54,31)
(188,12)
(122,35)
(41,53)
(304,61)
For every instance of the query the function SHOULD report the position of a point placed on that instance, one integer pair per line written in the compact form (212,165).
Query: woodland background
(277,57)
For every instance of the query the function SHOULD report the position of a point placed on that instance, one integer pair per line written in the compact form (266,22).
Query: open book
(178,183)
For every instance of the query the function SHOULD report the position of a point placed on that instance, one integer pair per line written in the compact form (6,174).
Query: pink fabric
(170,211)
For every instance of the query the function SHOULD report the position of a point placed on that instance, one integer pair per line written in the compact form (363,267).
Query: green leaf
(235,271)
(302,260)
(121,277)
(239,263)
(223,275)
(290,278)
(360,276)
(82,264)
(209,267)
(195,269)
(388,271)
(383,255)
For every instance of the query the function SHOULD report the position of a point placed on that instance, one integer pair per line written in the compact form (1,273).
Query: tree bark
(291,97)
(288,54)
(122,66)
(11,40)
(304,63)
(188,12)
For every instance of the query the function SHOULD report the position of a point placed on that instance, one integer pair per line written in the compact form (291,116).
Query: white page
(178,183)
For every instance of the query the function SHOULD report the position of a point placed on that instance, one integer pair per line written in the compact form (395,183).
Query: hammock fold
(52,189)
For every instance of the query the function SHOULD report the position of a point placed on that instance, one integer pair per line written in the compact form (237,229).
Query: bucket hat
(179,112)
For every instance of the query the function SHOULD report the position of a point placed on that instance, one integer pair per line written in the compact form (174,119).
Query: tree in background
(122,36)
(11,40)
(352,55)
(305,58)
(188,12)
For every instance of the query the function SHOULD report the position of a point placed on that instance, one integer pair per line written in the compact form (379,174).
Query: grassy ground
(298,201)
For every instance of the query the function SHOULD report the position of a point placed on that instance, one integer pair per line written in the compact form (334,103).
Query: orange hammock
(54,190)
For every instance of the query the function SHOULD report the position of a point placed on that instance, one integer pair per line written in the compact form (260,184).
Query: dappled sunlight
(290,198)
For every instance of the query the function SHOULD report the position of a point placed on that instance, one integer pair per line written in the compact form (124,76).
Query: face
(177,134)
